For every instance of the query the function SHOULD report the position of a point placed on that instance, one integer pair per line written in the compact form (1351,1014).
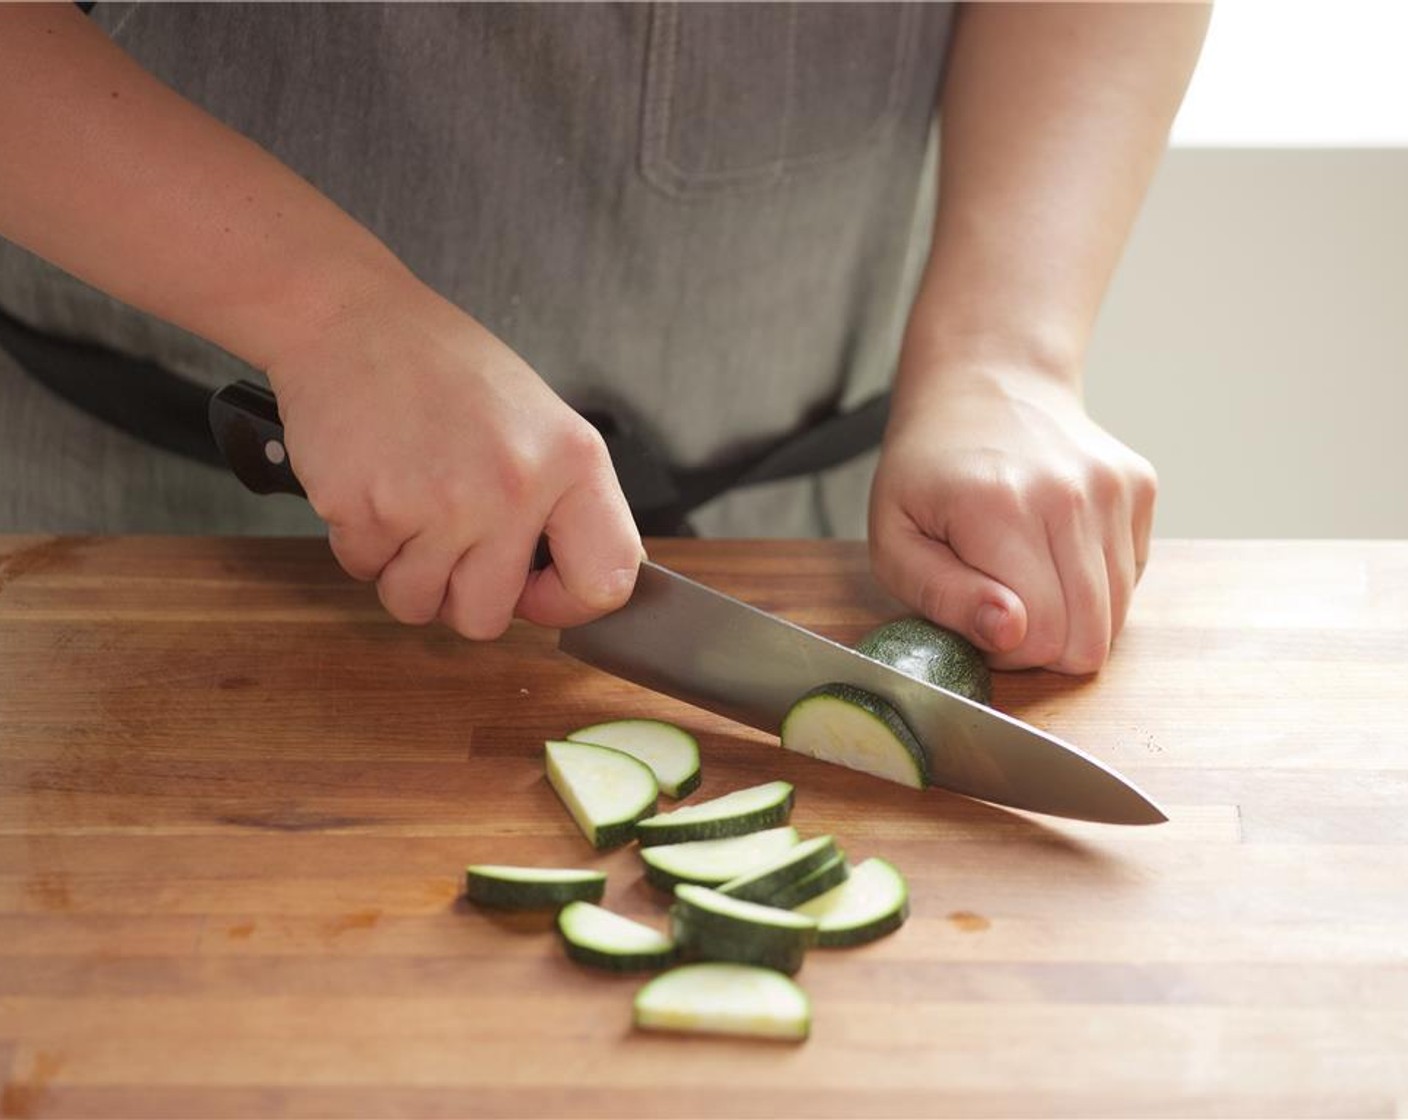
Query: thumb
(929,576)
(596,553)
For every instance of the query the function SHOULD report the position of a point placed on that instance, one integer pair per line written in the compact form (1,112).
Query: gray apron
(705,217)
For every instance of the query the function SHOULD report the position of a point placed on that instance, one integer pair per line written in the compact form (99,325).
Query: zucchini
(729,999)
(918,648)
(761,883)
(872,902)
(711,862)
(601,939)
(606,791)
(847,725)
(832,873)
(531,888)
(734,814)
(705,909)
(671,752)
(702,941)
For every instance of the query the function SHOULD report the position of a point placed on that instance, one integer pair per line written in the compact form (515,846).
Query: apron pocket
(740,96)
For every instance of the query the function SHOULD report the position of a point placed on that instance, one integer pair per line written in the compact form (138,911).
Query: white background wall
(1255,342)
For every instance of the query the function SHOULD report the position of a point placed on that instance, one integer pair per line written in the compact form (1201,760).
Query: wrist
(936,366)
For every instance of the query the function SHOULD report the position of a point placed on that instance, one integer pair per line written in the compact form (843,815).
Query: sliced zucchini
(762,882)
(729,999)
(734,814)
(705,909)
(872,902)
(711,862)
(705,942)
(832,873)
(847,725)
(601,939)
(671,752)
(606,791)
(531,888)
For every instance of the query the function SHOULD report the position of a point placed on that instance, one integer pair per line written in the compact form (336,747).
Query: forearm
(117,179)
(1054,117)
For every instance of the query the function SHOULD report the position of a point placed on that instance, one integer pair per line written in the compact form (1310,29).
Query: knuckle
(1145,482)
(1043,649)
(1065,498)
(480,629)
(1103,484)
(405,606)
(933,598)
(1086,659)
(583,445)
(998,494)
(382,503)
(515,478)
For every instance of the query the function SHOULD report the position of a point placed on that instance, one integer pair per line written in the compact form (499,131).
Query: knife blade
(681,638)
(751,666)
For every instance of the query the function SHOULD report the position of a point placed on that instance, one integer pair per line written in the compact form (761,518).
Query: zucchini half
(531,888)
(670,751)
(605,790)
(732,999)
(734,814)
(711,862)
(872,902)
(597,937)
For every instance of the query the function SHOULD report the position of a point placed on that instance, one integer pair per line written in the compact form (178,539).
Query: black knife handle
(244,419)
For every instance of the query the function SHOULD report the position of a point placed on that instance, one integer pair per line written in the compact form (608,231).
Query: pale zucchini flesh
(607,791)
(719,998)
(746,810)
(711,862)
(595,936)
(671,752)
(856,729)
(508,887)
(872,902)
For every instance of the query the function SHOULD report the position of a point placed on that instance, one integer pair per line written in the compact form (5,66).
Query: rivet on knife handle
(244,419)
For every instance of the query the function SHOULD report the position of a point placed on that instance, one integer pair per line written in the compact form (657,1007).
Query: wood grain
(236,801)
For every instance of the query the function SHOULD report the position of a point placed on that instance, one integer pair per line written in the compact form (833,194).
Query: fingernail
(989,623)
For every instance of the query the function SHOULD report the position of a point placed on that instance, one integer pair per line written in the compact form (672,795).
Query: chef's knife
(689,641)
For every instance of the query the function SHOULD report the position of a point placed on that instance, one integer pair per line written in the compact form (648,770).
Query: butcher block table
(236,803)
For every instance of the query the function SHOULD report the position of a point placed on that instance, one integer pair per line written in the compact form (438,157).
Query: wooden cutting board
(236,802)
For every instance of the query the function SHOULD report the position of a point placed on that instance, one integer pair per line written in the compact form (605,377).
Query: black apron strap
(168,411)
(133,395)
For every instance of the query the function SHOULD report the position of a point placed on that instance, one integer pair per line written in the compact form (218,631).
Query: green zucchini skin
(662,829)
(760,885)
(849,938)
(699,941)
(832,873)
(504,893)
(918,648)
(702,910)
